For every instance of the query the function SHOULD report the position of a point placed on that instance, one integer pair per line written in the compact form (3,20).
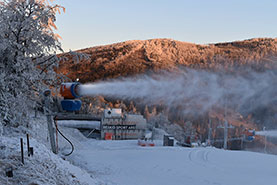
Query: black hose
(72,146)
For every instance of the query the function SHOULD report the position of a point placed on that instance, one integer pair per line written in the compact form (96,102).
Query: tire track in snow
(207,156)
(198,156)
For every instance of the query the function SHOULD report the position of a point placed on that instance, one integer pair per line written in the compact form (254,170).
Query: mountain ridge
(140,56)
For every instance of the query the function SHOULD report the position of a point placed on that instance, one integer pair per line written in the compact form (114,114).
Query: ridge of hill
(141,56)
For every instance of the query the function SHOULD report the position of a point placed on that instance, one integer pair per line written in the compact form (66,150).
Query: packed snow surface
(80,124)
(125,163)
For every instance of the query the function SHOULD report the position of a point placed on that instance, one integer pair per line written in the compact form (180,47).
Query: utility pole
(225,134)
(47,112)
(210,132)
(225,127)
(265,138)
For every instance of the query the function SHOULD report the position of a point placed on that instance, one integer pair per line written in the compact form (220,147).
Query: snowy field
(126,163)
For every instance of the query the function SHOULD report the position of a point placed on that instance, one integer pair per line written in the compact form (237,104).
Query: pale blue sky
(88,23)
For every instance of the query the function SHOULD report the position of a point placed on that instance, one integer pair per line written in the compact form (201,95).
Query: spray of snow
(269,133)
(192,90)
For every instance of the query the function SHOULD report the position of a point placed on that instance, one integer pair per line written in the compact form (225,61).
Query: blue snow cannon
(71,105)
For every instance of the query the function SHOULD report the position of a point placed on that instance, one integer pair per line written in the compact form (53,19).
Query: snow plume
(269,133)
(194,91)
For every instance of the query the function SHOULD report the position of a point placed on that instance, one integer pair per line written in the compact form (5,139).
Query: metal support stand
(51,134)
(51,130)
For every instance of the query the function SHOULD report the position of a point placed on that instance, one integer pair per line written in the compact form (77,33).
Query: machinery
(113,124)
(249,135)
(69,91)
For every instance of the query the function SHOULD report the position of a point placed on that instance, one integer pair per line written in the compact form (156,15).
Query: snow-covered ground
(44,168)
(125,163)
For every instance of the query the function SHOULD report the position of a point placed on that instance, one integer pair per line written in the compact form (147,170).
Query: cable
(72,146)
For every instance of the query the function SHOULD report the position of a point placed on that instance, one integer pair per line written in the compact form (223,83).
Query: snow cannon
(249,135)
(70,91)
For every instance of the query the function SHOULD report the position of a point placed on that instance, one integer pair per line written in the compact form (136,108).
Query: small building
(168,140)
(116,126)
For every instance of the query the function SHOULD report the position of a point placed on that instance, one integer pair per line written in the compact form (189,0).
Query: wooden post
(28,145)
(22,151)
(31,152)
(9,172)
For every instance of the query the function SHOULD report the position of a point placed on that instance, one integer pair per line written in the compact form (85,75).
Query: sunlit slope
(141,56)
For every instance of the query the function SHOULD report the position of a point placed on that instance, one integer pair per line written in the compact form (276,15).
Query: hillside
(135,57)
(145,57)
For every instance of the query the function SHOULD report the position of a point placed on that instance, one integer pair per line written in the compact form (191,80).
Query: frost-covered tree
(28,27)
(27,54)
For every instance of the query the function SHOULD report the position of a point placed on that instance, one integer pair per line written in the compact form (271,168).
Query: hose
(72,146)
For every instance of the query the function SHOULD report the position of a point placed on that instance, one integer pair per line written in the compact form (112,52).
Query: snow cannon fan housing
(69,92)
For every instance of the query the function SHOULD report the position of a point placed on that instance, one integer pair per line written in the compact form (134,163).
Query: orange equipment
(108,136)
(70,90)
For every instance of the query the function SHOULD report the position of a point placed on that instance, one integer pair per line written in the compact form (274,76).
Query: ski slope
(126,163)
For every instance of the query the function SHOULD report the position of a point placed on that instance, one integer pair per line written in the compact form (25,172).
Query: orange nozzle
(69,90)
